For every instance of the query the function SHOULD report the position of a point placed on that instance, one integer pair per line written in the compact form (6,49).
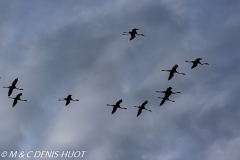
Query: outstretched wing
(67,102)
(114,109)
(134,31)
(194,65)
(170,75)
(14,102)
(132,36)
(15,82)
(10,91)
(118,102)
(163,101)
(139,112)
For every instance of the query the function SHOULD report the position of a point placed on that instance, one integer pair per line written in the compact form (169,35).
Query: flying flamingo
(196,62)
(165,99)
(168,92)
(13,86)
(133,33)
(116,106)
(68,99)
(172,71)
(16,99)
(141,108)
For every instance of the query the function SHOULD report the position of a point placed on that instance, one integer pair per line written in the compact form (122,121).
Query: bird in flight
(68,99)
(133,33)
(172,71)
(141,108)
(17,98)
(196,62)
(116,106)
(13,86)
(168,92)
(165,99)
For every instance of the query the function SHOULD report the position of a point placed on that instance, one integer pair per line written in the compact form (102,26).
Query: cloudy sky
(61,47)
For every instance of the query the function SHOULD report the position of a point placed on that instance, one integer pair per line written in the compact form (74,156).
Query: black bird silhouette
(196,62)
(172,71)
(68,99)
(133,33)
(165,99)
(116,106)
(17,98)
(168,92)
(13,86)
(141,108)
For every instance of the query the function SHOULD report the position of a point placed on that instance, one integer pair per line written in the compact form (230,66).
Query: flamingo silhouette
(133,33)
(168,92)
(17,98)
(13,86)
(196,62)
(68,99)
(141,108)
(116,106)
(165,99)
(172,71)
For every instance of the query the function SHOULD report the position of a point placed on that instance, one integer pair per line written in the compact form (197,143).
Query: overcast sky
(61,47)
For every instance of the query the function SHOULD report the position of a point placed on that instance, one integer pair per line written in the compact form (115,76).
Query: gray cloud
(57,48)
